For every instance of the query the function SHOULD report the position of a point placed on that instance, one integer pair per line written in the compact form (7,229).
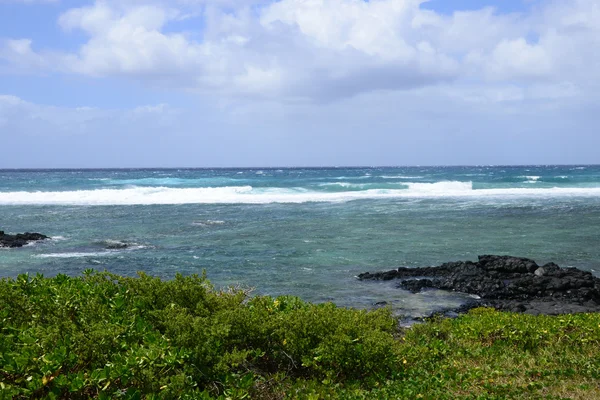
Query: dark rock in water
(20,239)
(506,283)
(116,245)
(111,244)
(416,285)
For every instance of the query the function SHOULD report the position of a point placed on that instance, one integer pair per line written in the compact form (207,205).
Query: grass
(106,336)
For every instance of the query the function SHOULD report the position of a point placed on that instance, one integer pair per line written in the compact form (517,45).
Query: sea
(306,232)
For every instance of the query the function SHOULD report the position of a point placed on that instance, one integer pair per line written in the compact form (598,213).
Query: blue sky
(200,83)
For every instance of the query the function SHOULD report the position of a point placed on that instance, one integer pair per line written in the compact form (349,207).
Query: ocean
(301,231)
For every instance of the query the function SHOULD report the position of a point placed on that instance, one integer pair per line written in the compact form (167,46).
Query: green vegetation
(106,336)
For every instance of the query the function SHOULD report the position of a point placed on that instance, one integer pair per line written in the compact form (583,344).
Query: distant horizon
(299,167)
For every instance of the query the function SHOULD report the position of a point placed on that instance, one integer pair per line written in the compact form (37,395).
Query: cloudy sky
(203,83)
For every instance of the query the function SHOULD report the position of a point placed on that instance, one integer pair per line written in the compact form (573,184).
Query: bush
(106,336)
(102,335)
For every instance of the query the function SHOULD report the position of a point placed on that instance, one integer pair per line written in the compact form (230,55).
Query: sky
(243,83)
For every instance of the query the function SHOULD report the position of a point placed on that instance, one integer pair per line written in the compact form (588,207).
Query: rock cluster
(506,283)
(20,239)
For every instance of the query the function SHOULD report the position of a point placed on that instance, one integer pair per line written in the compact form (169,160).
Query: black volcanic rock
(506,283)
(20,239)
(115,245)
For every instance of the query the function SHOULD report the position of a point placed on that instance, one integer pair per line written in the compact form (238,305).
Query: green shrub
(106,336)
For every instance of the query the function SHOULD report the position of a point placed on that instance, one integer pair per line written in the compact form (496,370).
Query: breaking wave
(77,254)
(250,195)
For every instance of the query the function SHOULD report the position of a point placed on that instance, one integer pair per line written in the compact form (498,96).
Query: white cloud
(323,49)
(374,29)
(19,54)
(37,120)
(128,41)
(442,124)
(518,59)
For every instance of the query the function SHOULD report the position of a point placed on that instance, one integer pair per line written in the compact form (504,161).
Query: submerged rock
(20,239)
(114,245)
(506,283)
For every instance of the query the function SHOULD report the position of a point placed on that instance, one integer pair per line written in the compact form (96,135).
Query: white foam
(248,195)
(448,188)
(208,222)
(112,242)
(350,185)
(531,178)
(126,196)
(138,247)
(58,238)
(77,254)
(105,253)
(351,177)
(347,185)
(120,245)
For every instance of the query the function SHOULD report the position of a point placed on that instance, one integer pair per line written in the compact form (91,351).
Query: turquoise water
(306,232)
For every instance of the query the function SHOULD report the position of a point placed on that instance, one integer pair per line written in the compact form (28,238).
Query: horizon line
(293,167)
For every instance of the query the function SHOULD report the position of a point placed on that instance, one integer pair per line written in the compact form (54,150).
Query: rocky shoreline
(505,283)
(20,239)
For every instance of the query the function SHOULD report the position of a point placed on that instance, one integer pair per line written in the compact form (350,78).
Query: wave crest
(249,195)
